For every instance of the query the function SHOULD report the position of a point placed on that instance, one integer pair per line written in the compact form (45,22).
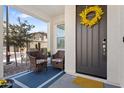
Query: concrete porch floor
(61,81)
(66,82)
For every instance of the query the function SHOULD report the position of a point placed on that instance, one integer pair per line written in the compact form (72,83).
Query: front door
(91,45)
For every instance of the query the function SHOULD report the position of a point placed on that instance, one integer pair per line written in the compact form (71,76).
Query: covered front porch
(53,78)
(56,15)
(53,20)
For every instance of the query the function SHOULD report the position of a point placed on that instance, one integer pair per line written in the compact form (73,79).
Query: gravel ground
(13,69)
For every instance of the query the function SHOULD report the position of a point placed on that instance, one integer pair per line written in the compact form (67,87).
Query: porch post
(50,36)
(7,40)
(1,44)
(70,55)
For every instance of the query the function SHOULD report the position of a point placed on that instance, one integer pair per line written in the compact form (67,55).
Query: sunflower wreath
(91,22)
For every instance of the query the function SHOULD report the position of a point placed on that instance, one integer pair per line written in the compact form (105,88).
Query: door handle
(104,47)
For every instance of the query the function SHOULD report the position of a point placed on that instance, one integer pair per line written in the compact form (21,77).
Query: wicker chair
(58,59)
(38,61)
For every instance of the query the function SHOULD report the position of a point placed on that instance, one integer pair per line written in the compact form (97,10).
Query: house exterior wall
(42,44)
(113,45)
(1,44)
(38,37)
(121,66)
(56,21)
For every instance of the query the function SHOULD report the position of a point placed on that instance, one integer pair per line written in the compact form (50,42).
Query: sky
(40,26)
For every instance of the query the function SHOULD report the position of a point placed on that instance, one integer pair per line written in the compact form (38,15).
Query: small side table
(9,84)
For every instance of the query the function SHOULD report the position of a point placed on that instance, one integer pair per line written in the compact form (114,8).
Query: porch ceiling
(44,12)
(51,10)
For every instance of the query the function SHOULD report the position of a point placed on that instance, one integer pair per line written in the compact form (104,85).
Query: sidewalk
(11,53)
(13,59)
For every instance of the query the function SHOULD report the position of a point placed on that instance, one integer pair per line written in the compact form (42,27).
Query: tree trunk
(27,48)
(21,55)
(15,55)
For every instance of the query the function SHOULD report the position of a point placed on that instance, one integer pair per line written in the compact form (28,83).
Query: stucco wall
(1,45)
(113,42)
(122,46)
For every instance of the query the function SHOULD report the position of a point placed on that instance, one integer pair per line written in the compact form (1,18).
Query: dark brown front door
(91,46)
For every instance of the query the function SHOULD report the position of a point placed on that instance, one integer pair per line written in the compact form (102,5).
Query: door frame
(76,50)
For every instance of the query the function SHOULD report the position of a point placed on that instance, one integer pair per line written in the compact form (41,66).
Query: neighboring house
(39,39)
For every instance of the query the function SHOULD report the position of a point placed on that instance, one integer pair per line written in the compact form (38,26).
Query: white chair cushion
(40,61)
(57,60)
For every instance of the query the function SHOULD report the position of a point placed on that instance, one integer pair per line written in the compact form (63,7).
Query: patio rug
(39,79)
(87,83)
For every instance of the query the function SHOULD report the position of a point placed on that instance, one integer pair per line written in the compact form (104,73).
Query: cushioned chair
(58,59)
(38,60)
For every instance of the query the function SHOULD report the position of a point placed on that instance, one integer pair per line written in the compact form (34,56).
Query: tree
(24,29)
(25,36)
(19,35)
(12,36)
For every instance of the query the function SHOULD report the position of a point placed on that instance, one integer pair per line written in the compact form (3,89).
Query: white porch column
(50,35)
(1,44)
(70,53)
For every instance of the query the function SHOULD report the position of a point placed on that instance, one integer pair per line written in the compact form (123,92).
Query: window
(60,37)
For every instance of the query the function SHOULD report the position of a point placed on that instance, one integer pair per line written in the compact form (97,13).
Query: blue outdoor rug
(39,79)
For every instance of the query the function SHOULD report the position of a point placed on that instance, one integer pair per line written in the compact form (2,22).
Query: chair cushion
(57,60)
(39,61)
